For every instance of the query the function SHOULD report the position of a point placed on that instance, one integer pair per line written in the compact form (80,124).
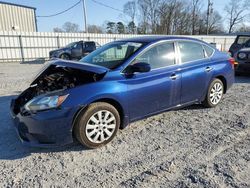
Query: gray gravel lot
(191,147)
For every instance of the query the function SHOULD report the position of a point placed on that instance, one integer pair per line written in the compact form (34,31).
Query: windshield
(70,45)
(113,54)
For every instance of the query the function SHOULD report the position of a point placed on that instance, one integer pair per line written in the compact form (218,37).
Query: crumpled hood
(72,64)
(81,65)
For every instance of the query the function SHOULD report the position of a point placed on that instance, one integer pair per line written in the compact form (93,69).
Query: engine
(56,81)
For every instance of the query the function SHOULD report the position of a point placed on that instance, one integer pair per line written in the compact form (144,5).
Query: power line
(52,15)
(107,6)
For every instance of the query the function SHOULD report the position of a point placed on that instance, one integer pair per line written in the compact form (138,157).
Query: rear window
(191,51)
(209,51)
(242,39)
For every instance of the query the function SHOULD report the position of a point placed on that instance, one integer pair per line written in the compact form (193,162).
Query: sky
(96,13)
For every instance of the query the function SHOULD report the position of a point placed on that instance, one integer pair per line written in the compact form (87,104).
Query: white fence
(30,46)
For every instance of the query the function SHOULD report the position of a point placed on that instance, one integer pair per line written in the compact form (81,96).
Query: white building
(14,17)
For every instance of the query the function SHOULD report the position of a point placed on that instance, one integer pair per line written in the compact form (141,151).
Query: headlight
(242,55)
(45,103)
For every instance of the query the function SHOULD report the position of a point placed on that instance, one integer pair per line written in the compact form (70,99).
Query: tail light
(233,62)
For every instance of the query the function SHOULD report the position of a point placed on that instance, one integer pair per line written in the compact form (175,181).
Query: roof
(155,38)
(13,4)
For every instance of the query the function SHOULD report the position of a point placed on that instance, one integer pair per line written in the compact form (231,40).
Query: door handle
(174,76)
(208,69)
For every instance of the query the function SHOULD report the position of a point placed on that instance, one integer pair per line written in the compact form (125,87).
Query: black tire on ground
(207,102)
(65,56)
(80,131)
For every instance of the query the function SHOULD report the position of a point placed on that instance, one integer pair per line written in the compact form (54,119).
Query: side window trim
(177,61)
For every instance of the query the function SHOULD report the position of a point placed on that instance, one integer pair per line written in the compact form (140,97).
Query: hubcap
(100,126)
(216,93)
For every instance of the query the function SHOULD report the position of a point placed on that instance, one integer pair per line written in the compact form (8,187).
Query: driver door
(76,51)
(159,89)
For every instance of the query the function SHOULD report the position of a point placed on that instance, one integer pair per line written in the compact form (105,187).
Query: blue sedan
(120,82)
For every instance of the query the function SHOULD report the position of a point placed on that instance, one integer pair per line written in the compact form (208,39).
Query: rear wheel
(214,94)
(97,125)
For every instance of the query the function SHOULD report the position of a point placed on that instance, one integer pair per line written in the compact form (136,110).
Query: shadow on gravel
(11,147)
(242,79)
(193,107)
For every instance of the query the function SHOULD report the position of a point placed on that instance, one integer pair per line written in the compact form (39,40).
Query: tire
(65,56)
(214,94)
(93,133)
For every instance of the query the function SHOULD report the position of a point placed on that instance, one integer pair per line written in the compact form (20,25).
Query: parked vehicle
(241,41)
(121,82)
(74,50)
(243,61)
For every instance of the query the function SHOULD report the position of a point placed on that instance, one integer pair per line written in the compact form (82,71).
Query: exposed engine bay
(56,78)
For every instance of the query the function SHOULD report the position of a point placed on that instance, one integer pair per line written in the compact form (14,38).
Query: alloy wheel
(216,93)
(100,126)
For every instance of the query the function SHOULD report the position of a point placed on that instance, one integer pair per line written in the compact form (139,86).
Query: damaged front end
(38,113)
(56,78)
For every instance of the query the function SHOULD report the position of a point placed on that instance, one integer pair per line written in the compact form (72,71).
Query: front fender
(86,94)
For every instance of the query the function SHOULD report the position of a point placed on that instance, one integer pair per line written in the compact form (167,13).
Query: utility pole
(85,16)
(209,11)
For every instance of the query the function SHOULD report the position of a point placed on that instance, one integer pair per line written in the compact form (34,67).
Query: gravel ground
(191,147)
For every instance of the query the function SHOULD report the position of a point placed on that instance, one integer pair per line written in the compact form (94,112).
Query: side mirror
(138,67)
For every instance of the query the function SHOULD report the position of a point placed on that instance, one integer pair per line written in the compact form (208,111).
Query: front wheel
(97,125)
(214,94)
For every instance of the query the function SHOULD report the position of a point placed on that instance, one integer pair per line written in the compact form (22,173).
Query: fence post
(225,44)
(21,47)
(58,41)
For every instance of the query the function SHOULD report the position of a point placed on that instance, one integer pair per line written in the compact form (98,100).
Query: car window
(90,46)
(247,43)
(113,54)
(161,55)
(78,46)
(242,39)
(190,51)
(209,50)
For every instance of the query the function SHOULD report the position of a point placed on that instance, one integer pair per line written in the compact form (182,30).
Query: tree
(94,29)
(120,28)
(57,30)
(236,11)
(131,27)
(129,9)
(149,10)
(243,28)
(110,27)
(70,27)
(215,23)
(195,8)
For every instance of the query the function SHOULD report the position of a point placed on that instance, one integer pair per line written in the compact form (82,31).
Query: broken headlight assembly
(45,103)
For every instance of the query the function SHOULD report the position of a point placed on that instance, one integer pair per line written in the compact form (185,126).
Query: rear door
(158,89)
(196,70)
(88,48)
